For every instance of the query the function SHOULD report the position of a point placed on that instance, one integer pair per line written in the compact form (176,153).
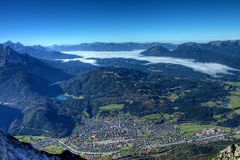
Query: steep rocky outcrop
(230,153)
(12,149)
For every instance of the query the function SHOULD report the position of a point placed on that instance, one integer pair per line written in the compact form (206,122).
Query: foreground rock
(12,149)
(230,153)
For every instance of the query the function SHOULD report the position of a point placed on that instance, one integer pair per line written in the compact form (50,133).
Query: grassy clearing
(73,97)
(144,134)
(191,128)
(234,101)
(237,136)
(130,101)
(234,98)
(111,107)
(210,104)
(126,149)
(29,139)
(235,83)
(153,116)
(53,149)
(166,117)
(173,97)
(237,111)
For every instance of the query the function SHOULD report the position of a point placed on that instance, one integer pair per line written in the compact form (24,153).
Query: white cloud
(208,68)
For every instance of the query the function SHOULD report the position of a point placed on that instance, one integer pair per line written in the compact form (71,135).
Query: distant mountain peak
(156,51)
(189,46)
(215,43)
(11,42)
(227,43)
(110,46)
(38,51)
(190,43)
(9,56)
(16,45)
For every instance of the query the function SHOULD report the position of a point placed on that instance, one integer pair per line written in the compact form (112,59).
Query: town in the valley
(126,136)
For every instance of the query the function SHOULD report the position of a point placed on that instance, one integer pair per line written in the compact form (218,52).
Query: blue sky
(49,22)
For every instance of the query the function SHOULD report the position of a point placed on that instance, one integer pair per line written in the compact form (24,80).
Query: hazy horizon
(77,43)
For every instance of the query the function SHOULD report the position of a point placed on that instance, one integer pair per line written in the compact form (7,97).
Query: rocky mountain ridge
(12,149)
(232,152)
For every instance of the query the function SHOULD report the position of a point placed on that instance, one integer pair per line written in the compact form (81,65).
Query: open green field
(111,107)
(234,97)
(234,101)
(29,139)
(53,149)
(191,128)
(126,149)
(235,83)
(166,117)
(173,97)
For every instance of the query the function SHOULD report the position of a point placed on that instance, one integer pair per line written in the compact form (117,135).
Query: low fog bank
(208,68)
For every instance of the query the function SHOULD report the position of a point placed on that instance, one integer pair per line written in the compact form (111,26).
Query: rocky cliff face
(230,153)
(12,149)
(8,56)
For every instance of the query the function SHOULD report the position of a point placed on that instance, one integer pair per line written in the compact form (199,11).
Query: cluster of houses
(209,132)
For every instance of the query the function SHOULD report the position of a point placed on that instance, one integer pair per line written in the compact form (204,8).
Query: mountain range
(42,96)
(38,51)
(224,52)
(21,72)
(101,46)
(25,85)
